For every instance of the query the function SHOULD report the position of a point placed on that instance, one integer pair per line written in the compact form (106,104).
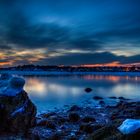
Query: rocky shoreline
(18,118)
(80,123)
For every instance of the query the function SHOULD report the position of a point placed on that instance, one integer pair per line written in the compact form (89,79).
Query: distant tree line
(74,69)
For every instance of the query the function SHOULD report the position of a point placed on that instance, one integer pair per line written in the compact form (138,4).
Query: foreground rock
(17,112)
(130,126)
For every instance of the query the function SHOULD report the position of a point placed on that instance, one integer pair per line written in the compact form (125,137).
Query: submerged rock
(88,90)
(122,98)
(97,98)
(16,109)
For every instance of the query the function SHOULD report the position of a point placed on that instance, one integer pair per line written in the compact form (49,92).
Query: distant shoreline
(47,73)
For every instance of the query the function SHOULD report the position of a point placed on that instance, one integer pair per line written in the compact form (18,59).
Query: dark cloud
(90,58)
(88,26)
(5,47)
(24,34)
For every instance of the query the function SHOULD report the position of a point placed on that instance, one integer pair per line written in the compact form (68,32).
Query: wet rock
(114,115)
(50,124)
(106,133)
(75,108)
(138,111)
(72,138)
(87,128)
(88,90)
(102,103)
(88,119)
(47,115)
(74,117)
(41,122)
(97,126)
(46,123)
(56,136)
(59,120)
(97,98)
(17,111)
(117,122)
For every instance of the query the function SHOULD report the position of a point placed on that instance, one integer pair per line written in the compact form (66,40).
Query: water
(52,92)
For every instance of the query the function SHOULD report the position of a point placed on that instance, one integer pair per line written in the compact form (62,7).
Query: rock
(48,115)
(129,126)
(138,111)
(74,117)
(16,109)
(88,90)
(87,128)
(102,103)
(4,80)
(88,119)
(5,76)
(106,133)
(50,124)
(55,137)
(59,120)
(75,108)
(97,98)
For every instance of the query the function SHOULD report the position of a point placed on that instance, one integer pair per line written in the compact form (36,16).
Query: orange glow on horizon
(112,64)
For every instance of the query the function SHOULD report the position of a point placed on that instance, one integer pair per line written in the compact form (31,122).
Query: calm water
(57,91)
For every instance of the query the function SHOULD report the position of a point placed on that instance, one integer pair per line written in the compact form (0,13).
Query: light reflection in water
(56,91)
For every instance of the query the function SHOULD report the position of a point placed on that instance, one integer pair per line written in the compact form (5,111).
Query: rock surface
(17,112)
(88,90)
(130,126)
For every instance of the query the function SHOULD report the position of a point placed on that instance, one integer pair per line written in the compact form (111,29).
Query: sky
(69,32)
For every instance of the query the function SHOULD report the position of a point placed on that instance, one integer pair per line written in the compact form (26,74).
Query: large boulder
(17,112)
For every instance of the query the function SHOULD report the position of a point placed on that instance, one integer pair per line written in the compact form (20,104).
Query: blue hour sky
(69,32)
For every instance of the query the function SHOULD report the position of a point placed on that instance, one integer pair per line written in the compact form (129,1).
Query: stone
(88,90)
(16,109)
(47,115)
(102,103)
(74,117)
(97,98)
(88,119)
(106,133)
(87,128)
(129,126)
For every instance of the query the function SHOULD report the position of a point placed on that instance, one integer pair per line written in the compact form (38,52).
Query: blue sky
(69,32)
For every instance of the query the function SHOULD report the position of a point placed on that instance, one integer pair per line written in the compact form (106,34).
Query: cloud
(90,27)
(89,58)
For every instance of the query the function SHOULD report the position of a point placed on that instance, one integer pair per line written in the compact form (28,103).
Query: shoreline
(83,123)
(56,73)
(87,122)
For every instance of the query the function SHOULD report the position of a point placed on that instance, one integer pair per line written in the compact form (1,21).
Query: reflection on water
(56,91)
